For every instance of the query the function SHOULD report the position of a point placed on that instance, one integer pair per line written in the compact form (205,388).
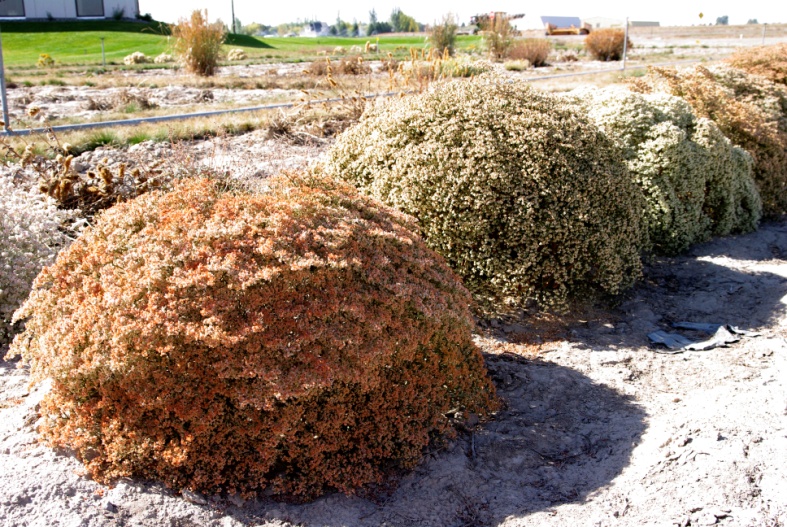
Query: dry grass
(198,43)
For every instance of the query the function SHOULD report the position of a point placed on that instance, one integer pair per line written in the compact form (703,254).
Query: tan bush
(606,44)
(748,124)
(236,54)
(695,183)
(198,43)
(767,61)
(524,198)
(299,340)
(135,58)
(533,50)
(163,58)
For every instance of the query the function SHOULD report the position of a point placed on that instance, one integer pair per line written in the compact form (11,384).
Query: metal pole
(232,3)
(103,53)
(2,89)
(763,33)
(625,43)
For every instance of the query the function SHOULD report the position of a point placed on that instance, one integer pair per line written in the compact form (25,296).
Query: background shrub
(524,198)
(750,125)
(534,50)
(767,61)
(198,43)
(236,54)
(443,35)
(135,58)
(32,231)
(606,44)
(301,340)
(694,181)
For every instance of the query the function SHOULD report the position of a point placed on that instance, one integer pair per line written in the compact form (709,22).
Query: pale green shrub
(32,231)
(164,58)
(524,198)
(693,180)
(746,121)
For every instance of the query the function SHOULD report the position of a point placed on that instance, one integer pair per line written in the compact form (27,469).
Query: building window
(12,8)
(90,7)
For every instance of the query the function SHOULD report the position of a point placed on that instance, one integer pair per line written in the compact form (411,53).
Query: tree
(752,21)
(402,23)
(376,27)
(722,20)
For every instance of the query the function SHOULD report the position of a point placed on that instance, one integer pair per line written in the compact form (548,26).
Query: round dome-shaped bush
(695,182)
(526,199)
(298,340)
(744,112)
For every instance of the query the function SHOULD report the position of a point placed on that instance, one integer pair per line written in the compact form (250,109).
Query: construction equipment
(565,25)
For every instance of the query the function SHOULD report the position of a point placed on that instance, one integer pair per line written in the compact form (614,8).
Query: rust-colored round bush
(302,339)
(607,44)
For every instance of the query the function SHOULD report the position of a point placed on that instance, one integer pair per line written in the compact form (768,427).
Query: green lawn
(79,43)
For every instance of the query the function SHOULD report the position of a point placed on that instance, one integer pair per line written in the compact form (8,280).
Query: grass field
(79,43)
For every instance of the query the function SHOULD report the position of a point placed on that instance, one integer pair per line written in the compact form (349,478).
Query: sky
(667,12)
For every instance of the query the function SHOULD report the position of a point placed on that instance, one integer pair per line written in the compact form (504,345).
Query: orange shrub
(606,44)
(301,340)
(744,120)
(534,50)
(768,61)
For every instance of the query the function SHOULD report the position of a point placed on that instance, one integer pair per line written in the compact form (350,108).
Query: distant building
(67,9)
(600,22)
(315,29)
(643,23)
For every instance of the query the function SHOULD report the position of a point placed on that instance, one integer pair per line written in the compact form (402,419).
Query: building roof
(562,21)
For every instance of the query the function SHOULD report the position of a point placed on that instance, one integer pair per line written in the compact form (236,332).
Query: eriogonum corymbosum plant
(299,340)
(525,198)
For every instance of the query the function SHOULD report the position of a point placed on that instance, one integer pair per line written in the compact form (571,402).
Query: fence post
(763,33)
(2,89)
(625,43)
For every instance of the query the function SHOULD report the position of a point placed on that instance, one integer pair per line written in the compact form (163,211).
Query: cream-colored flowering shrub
(32,231)
(299,340)
(746,121)
(692,179)
(164,58)
(136,58)
(526,199)
(236,54)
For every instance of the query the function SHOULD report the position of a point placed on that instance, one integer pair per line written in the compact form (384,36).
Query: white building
(67,9)
(599,22)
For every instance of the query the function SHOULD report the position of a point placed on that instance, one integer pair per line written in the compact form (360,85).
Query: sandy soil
(598,428)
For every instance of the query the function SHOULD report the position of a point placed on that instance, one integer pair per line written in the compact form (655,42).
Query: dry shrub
(135,58)
(750,125)
(534,50)
(163,58)
(299,340)
(767,61)
(695,182)
(345,66)
(498,35)
(198,43)
(524,197)
(121,100)
(442,36)
(606,44)
(236,54)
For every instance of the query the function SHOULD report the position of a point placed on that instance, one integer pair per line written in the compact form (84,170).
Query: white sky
(667,12)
